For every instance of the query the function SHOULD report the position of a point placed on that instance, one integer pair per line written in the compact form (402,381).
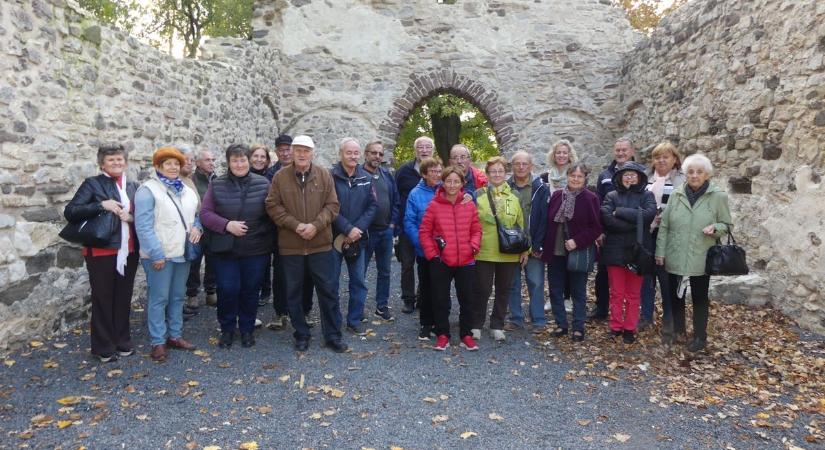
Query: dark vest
(243,200)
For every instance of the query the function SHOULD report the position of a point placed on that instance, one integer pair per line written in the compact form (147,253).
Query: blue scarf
(175,184)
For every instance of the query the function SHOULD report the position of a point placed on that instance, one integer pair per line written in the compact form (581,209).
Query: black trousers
(425,293)
(487,273)
(441,275)
(602,287)
(699,286)
(111,303)
(320,267)
(408,260)
(193,283)
(276,286)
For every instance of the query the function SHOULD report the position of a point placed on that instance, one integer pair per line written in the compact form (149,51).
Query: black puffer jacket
(619,215)
(86,202)
(242,199)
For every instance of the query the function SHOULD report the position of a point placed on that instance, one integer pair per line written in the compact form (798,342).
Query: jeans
(193,281)
(239,284)
(356,271)
(380,245)
(487,274)
(408,260)
(165,290)
(441,275)
(557,275)
(699,286)
(625,289)
(321,268)
(534,273)
(649,296)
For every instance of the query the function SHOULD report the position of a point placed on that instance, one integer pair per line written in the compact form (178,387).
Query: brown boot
(211,300)
(158,353)
(180,343)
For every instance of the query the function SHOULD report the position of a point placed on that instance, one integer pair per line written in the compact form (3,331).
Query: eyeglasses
(376,153)
(521,164)
(497,172)
(460,158)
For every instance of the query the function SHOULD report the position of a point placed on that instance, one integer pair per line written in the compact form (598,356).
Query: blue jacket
(537,220)
(417,203)
(395,198)
(356,198)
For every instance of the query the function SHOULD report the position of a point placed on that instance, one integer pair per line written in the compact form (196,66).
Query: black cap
(283,139)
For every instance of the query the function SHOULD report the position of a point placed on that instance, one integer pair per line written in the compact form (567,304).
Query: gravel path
(389,391)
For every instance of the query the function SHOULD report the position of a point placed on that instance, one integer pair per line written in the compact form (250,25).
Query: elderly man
(407,178)
(474,178)
(283,149)
(353,185)
(302,203)
(622,153)
(533,196)
(204,174)
(384,227)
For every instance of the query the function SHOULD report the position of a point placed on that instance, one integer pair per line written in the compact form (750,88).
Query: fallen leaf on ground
(59,345)
(114,373)
(621,437)
(192,383)
(584,422)
(9,362)
(468,434)
(35,344)
(495,416)
(142,417)
(251,445)
(440,418)
(64,424)
(430,400)
(70,400)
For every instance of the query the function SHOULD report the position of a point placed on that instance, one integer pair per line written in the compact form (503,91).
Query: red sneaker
(468,343)
(441,342)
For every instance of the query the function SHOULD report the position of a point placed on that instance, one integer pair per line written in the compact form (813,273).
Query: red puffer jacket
(457,224)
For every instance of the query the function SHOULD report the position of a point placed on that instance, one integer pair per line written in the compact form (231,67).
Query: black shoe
(424,333)
(559,332)
(302,345)
(125,352)
(264,300)
(628,337)
(644,325)
(578,336)
(336,346)
(384,314)
(107,357)
(357,330)
(226,339)
(616,333)
(696,345)
(408,308)
(191,310)
(247,340)
(596,317)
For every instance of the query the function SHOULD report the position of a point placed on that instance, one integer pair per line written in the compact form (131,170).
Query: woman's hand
(660,260)
(709,230)
(570,245)
(113,206)
(158,265)
(236,228)
(125,216)
(195,235)
(599,240)
(523,259)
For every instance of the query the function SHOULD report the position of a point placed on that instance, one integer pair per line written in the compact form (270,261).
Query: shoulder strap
(639,226)
(182,220)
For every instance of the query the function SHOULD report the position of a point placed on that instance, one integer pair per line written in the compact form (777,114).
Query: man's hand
(307,231)
(355,234)
(236,228)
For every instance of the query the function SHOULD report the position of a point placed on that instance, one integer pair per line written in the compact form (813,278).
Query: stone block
(40,262)
(69,257)
(47,214)
(19,290)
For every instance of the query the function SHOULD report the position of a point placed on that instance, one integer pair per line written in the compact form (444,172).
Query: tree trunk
(446,132)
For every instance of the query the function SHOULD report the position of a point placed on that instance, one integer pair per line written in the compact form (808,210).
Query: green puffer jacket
(509,213)
(681,241)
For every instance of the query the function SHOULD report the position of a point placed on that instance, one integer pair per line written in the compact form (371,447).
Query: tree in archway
(449,120)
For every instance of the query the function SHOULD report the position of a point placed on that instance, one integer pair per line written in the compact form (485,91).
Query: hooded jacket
(620,211)
(417,203)
(457,224)
(356,200)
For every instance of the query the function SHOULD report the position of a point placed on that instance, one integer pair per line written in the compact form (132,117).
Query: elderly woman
(574,222)
(241,239)
(493,266)
(111,266)
(697,214)
(620,212)
(450,236)
(559,158)
(417,203)
(165,217)
(662,178)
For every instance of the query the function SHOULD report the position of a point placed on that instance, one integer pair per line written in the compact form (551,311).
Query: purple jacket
(584,227)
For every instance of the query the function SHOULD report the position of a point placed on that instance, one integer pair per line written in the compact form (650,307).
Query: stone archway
(423,87)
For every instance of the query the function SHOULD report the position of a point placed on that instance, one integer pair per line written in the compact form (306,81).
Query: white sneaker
(476,334)
(548,306)
(258,323)
(568,305)
(498,335)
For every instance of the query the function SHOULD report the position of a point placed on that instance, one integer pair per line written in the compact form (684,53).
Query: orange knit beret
(164,153)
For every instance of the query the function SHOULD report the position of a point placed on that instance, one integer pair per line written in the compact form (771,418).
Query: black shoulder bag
(726,259)
(511,240)
(94,232)
(641,262)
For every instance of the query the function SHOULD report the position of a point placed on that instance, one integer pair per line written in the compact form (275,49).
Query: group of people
(284,231)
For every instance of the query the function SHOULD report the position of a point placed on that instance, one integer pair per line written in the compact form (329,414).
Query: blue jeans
(239,284)
(380,245)
(320,266)
(534,273)
(357,271)
(557,275)
(166,289)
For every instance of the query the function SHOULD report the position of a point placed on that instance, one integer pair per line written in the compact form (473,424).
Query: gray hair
(111,149)
(346,141)
(698,160)
(529,156)
(183,148)
(423,138)
(199,155)
(625,139)
(580,167)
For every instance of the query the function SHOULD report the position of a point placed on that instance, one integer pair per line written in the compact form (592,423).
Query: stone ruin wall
(67,84)
(744,83)
(539,70)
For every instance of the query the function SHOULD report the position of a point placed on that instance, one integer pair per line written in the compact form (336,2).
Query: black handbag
(726,259)
(641,261)
(512,240)
(94,232)
(580,260)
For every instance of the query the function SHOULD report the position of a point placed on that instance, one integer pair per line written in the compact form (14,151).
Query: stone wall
(538,70)
(744,83)
(67,84)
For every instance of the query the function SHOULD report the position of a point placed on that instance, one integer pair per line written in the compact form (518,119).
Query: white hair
(522,153)
(698,160)
(346,141)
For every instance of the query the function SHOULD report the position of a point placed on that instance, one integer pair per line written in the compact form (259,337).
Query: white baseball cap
(303,140)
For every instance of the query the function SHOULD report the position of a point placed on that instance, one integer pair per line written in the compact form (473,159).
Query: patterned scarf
(568,204)
(557,176)
(175,184)
(692,195)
